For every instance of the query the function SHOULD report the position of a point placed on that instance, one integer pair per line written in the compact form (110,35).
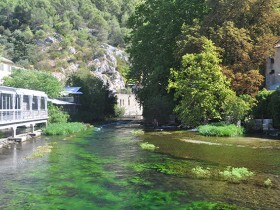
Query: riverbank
(5,142)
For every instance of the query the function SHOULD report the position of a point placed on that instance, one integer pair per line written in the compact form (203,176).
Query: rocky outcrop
(105,67)
(104,64)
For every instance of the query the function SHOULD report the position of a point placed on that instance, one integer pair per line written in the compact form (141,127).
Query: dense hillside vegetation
(55,34)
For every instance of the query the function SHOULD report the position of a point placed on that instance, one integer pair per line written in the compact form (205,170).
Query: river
(106,168)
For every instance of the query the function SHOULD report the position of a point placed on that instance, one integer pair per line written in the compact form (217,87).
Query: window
(18,105)
(6,101)
(272,60)
(43,105)
(35,103)
(26,102)
(272,71)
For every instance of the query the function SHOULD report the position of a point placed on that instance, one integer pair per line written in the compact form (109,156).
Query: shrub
(64,128)
(119,111)
(148,146)
(236,175)
(220,130)
(56,115)
(199,172)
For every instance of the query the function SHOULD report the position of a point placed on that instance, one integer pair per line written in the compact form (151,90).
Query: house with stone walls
(272,74)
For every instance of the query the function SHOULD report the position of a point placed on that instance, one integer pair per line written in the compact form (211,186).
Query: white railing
(13,116)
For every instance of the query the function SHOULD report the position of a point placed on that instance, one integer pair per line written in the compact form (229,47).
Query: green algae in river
(108,170)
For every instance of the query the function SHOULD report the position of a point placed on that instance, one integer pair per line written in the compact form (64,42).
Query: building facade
(273,69)
(5,68)
(130,104)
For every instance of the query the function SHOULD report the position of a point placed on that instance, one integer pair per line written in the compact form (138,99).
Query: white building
(5,68)
(272,74)
(130,104)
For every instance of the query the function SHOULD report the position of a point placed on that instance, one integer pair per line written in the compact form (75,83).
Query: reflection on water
(107,169)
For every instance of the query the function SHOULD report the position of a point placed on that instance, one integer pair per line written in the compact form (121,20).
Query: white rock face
(105,67)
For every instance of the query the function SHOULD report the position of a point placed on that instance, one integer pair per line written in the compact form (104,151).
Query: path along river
(107,169)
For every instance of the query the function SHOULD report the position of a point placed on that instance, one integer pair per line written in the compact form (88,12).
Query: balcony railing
(13,116)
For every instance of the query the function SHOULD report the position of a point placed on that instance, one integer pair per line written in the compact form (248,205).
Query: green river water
(107,169)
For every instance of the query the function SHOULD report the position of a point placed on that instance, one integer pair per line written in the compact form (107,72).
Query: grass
(220,130)
(64,128)
(236,175)
(148,146)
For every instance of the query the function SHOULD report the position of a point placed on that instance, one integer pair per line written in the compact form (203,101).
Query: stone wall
(273,70)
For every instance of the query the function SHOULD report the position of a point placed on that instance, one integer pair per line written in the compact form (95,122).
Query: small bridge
(22,107)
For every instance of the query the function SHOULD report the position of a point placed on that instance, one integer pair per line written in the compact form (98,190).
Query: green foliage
(267,183)
(64,128)
(200,172)
(262,109)
(34,80)
(119,111)
(40,152)
(200,87)
(158,107)
(267,106)
(137,132)
(274,106)
(212,206)
(147,146)
(236,175)
(56,115)
(155,26)
(220,130)
(236,108)
(97,102)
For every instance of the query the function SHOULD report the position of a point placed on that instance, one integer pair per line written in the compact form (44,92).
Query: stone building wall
(130,104)
(273,70)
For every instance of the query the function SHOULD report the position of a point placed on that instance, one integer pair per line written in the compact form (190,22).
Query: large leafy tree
(200,87)
(34,80)
(97,102)
(155,26)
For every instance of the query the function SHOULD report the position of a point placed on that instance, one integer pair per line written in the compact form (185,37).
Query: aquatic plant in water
(200,172)
(220,130)
(40,152)
(137,132)
(211,206)
(148,146)
(64,128)
(267,183)
(236,175)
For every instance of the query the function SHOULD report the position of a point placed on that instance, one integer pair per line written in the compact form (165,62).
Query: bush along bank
(222,130)
(64,128)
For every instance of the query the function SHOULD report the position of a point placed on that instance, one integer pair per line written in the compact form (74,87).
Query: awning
(59,102)
(71,90)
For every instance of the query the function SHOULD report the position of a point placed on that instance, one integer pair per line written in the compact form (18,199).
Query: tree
(155,27)
(97,102)
(34,80)
(200,87)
